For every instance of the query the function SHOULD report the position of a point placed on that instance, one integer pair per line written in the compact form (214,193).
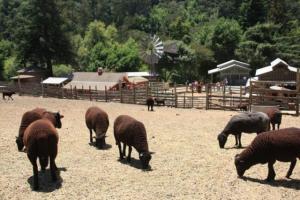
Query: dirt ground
(188,163)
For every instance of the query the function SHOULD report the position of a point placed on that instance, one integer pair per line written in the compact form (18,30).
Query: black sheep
(256,122)
(96,119)
(150,103)
(33,115)
(40,139)
(282,145)
(131,132)
(9,94)
(159,101)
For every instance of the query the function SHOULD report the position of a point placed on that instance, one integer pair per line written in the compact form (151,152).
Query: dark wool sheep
(40,139)
(255,122)
(96,119)
(243,106)
(132,133)
(159,101)
(282,145)
(150,103)
(275,117)
(33,115)
(9,94)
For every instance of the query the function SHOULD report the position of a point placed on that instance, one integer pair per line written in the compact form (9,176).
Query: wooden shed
(279,70)
(232,72)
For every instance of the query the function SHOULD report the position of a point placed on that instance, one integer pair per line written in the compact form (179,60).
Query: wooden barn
(279,70)
(96,80)
(232,72)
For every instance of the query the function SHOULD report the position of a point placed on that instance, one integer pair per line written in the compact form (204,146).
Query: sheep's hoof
(36,187)
(288,175)
(128,159)
(270,179)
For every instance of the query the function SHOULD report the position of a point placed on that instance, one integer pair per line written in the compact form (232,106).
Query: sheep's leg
(120,151)
(43,163)
(129,154)
(151,107)
(35,172)
(53,169)
(278,125)
(239,140)
(271,173)
(124,150)
(273,126)
(236,140)
(91,136)
(292,166)
(148,107)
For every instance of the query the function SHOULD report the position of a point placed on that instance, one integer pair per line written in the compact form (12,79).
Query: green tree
(39,36)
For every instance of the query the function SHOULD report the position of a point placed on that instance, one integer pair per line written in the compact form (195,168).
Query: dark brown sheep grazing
(255,122)
(131,132)
(97,120)
(40,139)
(8,94)
(33,115)
(275,117)
(150,103)
(159,101)
(282,145)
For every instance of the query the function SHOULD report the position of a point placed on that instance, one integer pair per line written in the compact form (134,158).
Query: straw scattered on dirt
(188,163)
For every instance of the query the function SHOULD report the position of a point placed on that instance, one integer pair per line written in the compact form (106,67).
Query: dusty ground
(188,163)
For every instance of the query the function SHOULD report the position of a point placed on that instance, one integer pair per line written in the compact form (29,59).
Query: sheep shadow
(287,183)
(135,163)
(234,147)
(45,181)
(106,147)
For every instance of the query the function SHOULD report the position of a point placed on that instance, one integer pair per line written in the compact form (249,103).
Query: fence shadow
(45,181)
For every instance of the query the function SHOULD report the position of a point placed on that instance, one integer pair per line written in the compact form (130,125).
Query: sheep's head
(58,118)
(145,158)
(222,140)
(100,143)
(240,165)
(20,144)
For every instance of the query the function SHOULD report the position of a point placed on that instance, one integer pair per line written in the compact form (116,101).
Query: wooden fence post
(105,92)
(184,100)
(241,93)
(97,95)
(19,85)
(75,92)
(224,100)
(298,92)
(90,93)
(71,91)
(175,92)
(207,96)
(42,87)
(120,90)
(250,96)
(193,98)
(134,95)
(62,91)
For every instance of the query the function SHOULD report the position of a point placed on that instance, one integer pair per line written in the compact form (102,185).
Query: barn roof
(92,79)
(228,65)
(274,63)
(137,79)
(22,77)
(54,80)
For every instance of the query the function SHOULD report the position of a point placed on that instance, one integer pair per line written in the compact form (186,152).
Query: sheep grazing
(159,101)
(256,122)
(243,106)
(150,103)
(282,145)
(33,115)
(131,132)
(97,120)
(275,116)
(8,94)
(40,139)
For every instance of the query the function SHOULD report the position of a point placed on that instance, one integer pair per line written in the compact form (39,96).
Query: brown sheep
(150,103)
(40,139)
(33,115)
(8,94)
(255,122)
(275,117)
(282,145)
(131,132)
(96,119)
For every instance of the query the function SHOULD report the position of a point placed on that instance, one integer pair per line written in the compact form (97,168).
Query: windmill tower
(152,51)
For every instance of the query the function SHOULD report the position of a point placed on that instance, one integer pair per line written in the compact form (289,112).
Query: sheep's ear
(151,152)
(16,137)
(61,116)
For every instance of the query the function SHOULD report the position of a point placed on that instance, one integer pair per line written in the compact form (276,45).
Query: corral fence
(209,96)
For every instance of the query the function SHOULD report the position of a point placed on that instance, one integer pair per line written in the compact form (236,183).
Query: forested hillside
(86,34)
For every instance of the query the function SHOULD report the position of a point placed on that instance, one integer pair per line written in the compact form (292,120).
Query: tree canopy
(84,35)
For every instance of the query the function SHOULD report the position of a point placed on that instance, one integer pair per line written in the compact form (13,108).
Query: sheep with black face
(255,122)
(131,132)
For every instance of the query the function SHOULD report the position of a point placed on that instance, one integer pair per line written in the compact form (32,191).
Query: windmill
(152,50)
